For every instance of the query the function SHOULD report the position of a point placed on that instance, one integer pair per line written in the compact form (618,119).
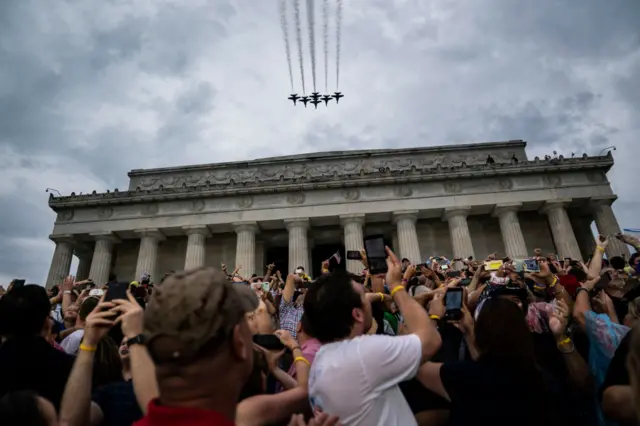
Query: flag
(337,257)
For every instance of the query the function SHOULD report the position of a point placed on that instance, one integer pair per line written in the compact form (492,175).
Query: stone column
(353,239)
(407,235)
(514,243)
(563,236)
(246,247)
(608,225)
(148,253)
(102,255)
(459,231)
(584,234)
(196,246)
(61,261)
(84,265)
(298,244)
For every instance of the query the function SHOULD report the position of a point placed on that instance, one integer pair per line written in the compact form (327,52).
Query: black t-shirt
(617,373)
(484,393)
(118,404)
(31,363)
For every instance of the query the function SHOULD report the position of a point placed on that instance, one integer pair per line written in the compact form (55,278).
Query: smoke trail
(338,30)
(296,13)
(285,34)
(325,34)
(312,39)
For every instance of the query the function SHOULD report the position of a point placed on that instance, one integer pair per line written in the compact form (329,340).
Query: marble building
(297,210)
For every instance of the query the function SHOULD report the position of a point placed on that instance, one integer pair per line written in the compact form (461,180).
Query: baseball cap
(192,312)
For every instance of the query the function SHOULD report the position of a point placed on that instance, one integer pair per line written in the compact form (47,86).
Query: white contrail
(312,39)
(296,13)
(285,35)
(325,34)
(338,30)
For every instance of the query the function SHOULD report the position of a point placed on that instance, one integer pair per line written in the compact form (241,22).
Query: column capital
(197,229)
(62,238)
(245,226)
(600,200)
(300,222)
(411,215)
(150,232)
(462,211)
(499,209)
(560,203)
(105,236)
(352,218)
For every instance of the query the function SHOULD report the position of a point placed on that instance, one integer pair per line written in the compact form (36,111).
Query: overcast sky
(92,89)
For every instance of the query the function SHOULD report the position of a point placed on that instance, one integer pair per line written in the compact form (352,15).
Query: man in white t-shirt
(355,376)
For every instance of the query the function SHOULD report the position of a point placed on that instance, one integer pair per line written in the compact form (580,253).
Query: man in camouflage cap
(197,335)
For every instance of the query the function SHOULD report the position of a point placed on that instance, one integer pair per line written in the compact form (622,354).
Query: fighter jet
(294,97)
(315,96)
(326,99)
(337,96)
(304,100)
(315,103)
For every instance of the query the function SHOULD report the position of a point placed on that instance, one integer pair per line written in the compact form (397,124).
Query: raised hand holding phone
(394,270)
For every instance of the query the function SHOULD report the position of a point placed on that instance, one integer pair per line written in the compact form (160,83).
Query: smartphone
(531,265)
(97,292)
(354,255)
(265,286)
(604,282)
(116,290)
(492,265)
(17,283)
(453,303)
(454,274)
(419,266)
(465,281)
(376,254)
(268,341)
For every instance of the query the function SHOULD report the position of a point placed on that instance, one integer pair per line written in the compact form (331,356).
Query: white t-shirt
(71,343)
(357,380)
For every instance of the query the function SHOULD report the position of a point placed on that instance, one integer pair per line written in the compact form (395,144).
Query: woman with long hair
(501,385)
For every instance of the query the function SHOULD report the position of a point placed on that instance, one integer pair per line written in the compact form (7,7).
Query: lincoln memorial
(298,210)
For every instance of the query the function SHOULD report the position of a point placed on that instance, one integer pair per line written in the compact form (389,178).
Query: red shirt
(160,415)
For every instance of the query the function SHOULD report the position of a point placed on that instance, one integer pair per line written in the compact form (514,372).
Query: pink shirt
(309,350)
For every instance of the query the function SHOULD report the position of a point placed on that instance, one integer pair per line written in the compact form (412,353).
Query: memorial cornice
(385,176)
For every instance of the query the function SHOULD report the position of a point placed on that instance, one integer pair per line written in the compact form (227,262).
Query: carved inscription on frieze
(318,169)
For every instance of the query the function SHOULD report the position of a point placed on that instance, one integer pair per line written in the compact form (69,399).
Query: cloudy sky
(90,90)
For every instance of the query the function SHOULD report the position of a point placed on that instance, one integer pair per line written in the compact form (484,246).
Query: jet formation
(315,98)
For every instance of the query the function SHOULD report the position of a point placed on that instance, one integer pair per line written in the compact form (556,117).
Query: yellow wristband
(397,289)
(434,317)
(87,348)
(601,249)
(381,296)
(565,341)
(555,280)
(303,360)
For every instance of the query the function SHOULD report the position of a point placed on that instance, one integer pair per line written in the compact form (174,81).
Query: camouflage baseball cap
(192,312)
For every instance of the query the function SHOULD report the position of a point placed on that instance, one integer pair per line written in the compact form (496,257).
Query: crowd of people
(534,341)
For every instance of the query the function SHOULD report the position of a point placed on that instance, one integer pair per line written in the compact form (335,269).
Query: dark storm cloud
(91,90)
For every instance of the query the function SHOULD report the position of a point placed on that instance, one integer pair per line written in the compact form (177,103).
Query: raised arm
(415,317)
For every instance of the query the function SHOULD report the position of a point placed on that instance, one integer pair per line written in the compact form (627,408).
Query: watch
(137,340)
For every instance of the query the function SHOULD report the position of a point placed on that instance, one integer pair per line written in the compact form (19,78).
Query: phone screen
(354,255)
(453,303)
(604,281)
(268,341)
(531,265)
(116,290)
(376,254)
(454,274)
